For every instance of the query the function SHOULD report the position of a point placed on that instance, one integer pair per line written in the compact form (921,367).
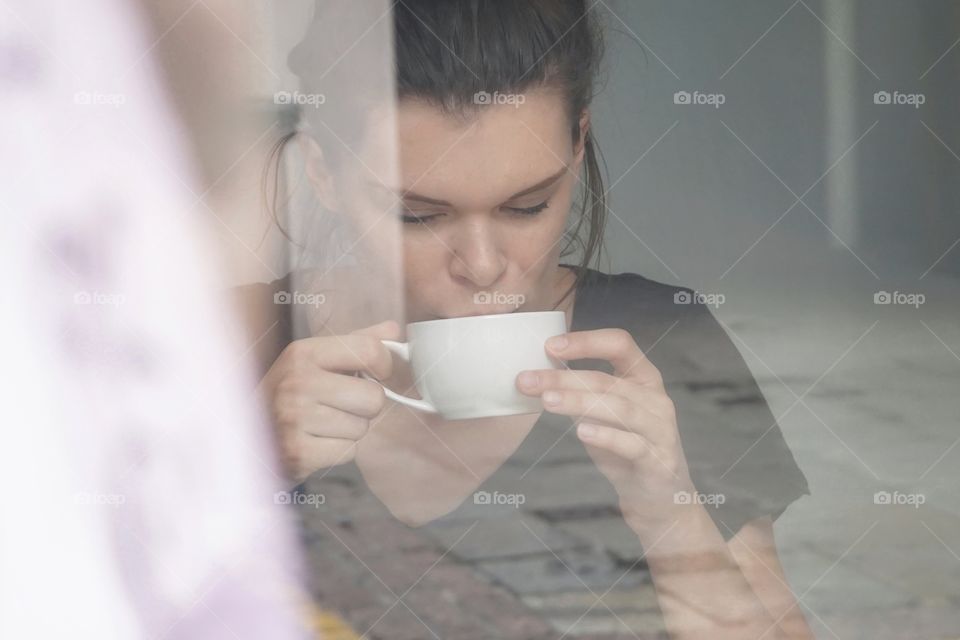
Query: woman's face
(484,202)
(485,205)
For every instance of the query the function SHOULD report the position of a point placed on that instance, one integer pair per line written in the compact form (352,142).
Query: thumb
(386,330)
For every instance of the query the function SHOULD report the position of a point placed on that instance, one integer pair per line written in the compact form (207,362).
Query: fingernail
(586,431)
(551,397)
(557,343)
(529,379)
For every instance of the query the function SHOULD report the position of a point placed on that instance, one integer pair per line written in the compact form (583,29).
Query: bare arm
(755,551)
(702,589)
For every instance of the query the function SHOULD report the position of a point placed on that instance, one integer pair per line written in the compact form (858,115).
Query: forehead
(506,144)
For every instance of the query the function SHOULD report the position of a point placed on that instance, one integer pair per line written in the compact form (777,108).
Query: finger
(322,422)
(654,400)
(386,330)
(357,396)
(609,409)
(534,382)
(614,345)
(304,454)
(303,410)
(625,444)
(343,354)
(326,422)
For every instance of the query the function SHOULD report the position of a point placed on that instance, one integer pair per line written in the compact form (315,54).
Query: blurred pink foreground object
(139,482)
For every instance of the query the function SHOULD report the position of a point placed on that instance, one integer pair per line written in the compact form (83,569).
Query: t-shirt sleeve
(738,458)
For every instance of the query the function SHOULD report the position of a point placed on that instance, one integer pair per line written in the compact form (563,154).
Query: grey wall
(798,99)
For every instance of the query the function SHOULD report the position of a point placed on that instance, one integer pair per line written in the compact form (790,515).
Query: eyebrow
(546,182)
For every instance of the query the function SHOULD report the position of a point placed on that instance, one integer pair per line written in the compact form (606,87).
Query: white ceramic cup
(467,367)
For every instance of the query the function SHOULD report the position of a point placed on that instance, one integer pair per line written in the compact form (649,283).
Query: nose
(477,257)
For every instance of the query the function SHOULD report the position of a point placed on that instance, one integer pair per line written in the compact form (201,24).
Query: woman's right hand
(319,408)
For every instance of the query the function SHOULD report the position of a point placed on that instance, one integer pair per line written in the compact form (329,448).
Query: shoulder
(674,324)
(650,292)
(626,299)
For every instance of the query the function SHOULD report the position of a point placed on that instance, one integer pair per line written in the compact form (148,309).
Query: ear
(318,171)
(584,130)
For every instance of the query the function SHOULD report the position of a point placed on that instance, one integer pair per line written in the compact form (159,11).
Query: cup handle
(402,349)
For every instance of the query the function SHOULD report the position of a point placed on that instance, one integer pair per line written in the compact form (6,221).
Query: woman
(491,216)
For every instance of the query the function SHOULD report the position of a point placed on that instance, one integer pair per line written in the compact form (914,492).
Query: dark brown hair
(448,51)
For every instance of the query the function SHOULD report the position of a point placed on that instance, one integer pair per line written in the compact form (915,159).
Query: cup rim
(489,315)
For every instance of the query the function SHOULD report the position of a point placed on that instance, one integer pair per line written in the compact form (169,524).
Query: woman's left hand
(626,420)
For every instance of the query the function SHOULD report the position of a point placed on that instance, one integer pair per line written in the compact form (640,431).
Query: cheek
(422,251)
(555,223)
(423,259)
(543,236)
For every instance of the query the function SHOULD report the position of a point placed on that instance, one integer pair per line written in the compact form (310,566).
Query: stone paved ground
(884,417)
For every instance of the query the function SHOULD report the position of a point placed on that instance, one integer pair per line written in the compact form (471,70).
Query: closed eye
(420,219)
(531,211)
(521,211)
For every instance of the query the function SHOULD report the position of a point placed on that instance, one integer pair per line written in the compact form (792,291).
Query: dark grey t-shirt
(732,442)
(736,453)
(546,524)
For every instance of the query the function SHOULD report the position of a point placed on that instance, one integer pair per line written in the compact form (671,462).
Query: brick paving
(486,578)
